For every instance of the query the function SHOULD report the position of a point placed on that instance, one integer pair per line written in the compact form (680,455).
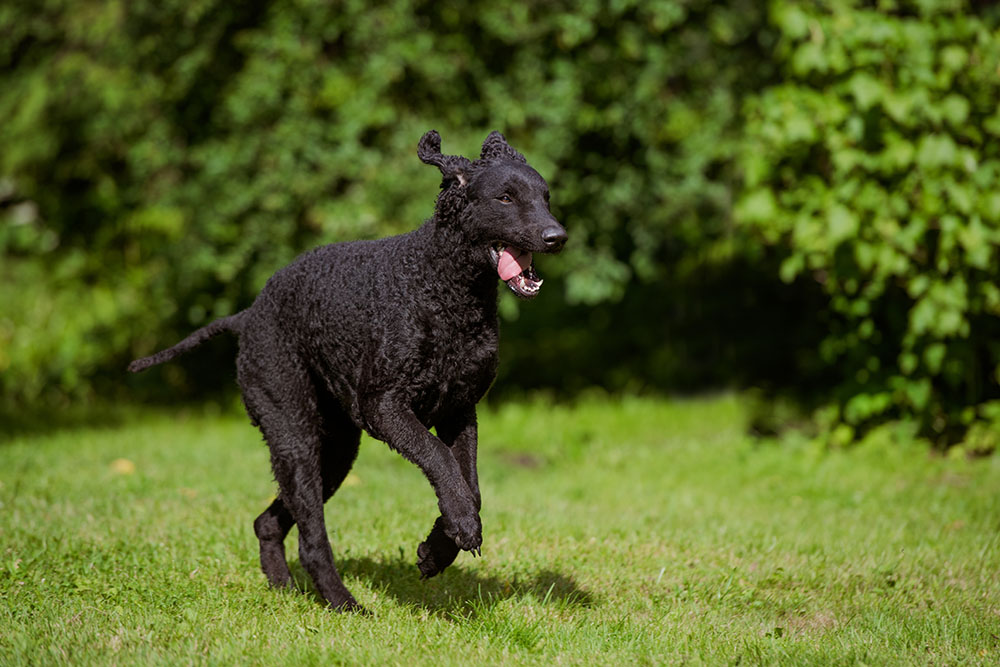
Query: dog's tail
(231,323)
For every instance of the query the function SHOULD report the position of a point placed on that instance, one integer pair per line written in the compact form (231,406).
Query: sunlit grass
(632,531)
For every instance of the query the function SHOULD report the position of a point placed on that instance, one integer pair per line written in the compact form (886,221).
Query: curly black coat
(393,336)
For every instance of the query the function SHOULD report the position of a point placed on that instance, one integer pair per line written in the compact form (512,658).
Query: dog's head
(502,205)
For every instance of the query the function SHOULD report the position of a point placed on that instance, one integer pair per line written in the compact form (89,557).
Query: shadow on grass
(50,420)
(32,421)
(456,592)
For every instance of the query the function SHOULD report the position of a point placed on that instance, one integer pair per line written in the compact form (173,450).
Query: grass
(634,531)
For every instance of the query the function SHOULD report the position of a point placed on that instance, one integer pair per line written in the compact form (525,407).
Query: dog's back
(369,316)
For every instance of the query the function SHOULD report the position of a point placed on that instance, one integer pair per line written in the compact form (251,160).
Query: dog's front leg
(392,421)
(438,551)
(460,433)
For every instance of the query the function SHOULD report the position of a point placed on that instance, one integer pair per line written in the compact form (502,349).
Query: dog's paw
(350,606)
(433,558)
(465,531)
(437,552)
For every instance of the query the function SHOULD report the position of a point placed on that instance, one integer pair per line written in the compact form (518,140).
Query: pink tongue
(512,262)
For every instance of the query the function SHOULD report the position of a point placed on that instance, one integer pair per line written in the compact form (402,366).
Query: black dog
(394,337)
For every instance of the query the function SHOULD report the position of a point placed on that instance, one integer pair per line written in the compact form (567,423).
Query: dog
(393,337)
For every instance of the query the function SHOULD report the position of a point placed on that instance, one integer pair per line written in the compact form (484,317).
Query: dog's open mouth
(515,268)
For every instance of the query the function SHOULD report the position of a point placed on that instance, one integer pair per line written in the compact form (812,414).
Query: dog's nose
(554,236)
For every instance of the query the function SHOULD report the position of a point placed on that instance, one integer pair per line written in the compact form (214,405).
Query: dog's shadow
(456,592)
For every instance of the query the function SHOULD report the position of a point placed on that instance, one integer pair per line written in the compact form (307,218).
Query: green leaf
(918,392)
(955,109)
(790,18)
(810,57)
(934,356)
(757,206)
(992,124)
(791,267)
(843,224)
(866,90)
(953,57)
(936,150)
(908,362)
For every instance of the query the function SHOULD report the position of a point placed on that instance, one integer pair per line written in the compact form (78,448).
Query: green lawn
(616,532)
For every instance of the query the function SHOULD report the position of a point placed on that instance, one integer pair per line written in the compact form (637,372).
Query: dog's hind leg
(301,492)
(282,401)
(341,439)
(271,527)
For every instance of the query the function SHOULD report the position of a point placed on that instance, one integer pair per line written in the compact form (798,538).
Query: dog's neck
(462,265)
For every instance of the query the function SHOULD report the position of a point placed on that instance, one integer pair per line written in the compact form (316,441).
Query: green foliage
(165,158)
(873,167)
(162,159)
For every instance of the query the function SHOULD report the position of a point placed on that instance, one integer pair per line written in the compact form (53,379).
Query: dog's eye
(505,199)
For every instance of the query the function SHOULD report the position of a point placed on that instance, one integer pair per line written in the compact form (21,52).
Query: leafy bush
(164,158)
(874,167)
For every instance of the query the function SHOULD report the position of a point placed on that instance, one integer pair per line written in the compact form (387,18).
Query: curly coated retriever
(393,336)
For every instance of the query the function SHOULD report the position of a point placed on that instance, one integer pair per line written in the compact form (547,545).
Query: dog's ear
(453,167)
(496,147)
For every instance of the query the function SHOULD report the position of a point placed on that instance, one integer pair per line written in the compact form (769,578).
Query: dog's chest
(458,367)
